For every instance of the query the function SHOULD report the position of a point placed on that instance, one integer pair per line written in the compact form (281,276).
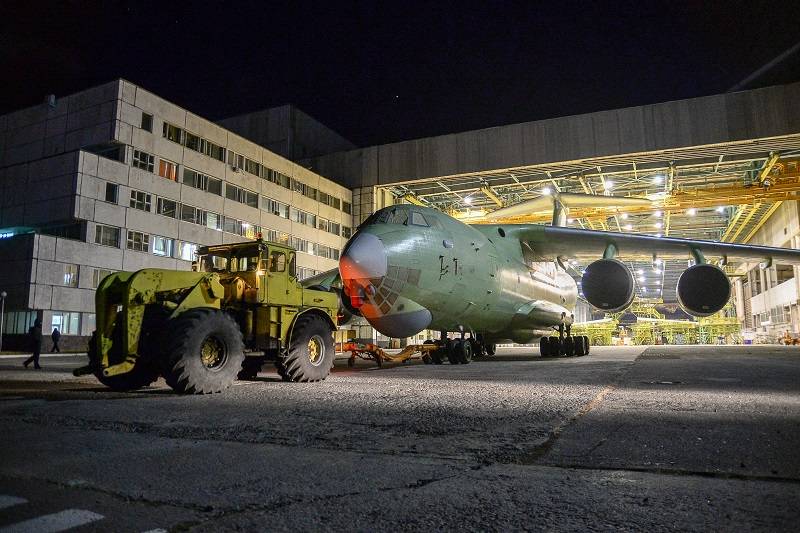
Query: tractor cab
(253,272)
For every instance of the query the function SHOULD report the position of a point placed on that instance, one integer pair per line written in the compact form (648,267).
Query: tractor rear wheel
(142,374)
(311,351)
(204,352)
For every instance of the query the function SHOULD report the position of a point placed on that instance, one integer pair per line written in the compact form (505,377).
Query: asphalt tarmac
(658,439)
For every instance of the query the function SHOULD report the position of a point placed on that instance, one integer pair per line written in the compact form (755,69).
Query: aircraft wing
(549,242)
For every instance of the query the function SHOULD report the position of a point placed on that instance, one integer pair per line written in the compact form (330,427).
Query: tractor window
(277,262)
(244,264)
(214,263)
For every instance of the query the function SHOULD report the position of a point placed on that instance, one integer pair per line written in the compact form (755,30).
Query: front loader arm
(123,298)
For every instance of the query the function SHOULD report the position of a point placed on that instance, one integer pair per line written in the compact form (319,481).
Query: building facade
(116,178)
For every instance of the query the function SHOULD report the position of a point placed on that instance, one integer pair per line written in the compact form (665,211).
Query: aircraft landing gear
(569,345)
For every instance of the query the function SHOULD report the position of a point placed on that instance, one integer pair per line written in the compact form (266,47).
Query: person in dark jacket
(35,333)
(56,335)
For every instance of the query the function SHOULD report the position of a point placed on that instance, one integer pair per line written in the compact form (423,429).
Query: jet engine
(703,289)
(608,285)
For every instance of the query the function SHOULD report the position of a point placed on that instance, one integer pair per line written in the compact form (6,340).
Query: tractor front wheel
(204,352)
(310,354)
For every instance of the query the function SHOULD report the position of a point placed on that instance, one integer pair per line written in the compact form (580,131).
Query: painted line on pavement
(10,501)
(53,523)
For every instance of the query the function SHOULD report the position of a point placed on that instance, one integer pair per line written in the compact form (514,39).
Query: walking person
(56,335)
(35,334)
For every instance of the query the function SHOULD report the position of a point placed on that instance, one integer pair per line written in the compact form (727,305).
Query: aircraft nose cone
(364,257)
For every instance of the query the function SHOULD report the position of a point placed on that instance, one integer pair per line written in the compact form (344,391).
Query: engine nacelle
(703,289)
(608,285)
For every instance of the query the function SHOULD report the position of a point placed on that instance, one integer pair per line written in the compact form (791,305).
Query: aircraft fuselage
(413,268)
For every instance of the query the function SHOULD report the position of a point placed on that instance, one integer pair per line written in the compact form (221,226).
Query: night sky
(378,73)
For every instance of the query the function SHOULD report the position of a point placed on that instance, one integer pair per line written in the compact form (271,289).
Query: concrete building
(289,132)
(116,178)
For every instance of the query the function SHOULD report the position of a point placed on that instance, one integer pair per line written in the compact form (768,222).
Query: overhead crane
(778,181)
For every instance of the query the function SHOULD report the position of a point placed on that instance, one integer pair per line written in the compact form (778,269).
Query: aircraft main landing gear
(577,345)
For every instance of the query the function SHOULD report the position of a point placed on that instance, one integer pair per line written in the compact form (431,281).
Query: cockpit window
(418,220)
(398,216)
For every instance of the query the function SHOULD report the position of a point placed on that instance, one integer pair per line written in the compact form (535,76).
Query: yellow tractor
(241,306)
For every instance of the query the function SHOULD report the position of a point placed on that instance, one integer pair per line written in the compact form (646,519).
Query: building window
(162,246)
(252,167)
(346,207)
(302,217)
(167,207)
(276,177)
(277,236)
(274,207)
(147,122)
(201,181)
(235,160)
(233,226)
(140,200)
(138,241)
(99,275)
(67,323)
(214,221)
(106,235)
(112,192)
(192,141)
(168,169)
(186,251)
(70,275)
(193,215)
(18,322)
(241,195)
(347,232)
(172,133)
(143,160)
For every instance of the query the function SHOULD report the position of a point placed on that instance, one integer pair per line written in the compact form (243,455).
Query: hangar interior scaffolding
(722,192)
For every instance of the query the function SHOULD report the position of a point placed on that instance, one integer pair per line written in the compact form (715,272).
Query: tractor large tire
(311,351)
(204,352)
(142,374)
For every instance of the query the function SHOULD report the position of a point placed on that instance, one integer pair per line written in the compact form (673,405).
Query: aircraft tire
(544,346)
(491,349)
(464,352)
(580,347)
(569,346)
(555,347)
(478,349)
(452,354)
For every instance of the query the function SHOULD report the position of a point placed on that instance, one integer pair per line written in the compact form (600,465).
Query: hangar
(723,168)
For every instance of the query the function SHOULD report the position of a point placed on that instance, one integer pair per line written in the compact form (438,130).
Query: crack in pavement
(538,452)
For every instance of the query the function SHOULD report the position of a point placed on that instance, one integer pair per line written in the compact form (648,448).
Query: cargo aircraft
(409,268)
